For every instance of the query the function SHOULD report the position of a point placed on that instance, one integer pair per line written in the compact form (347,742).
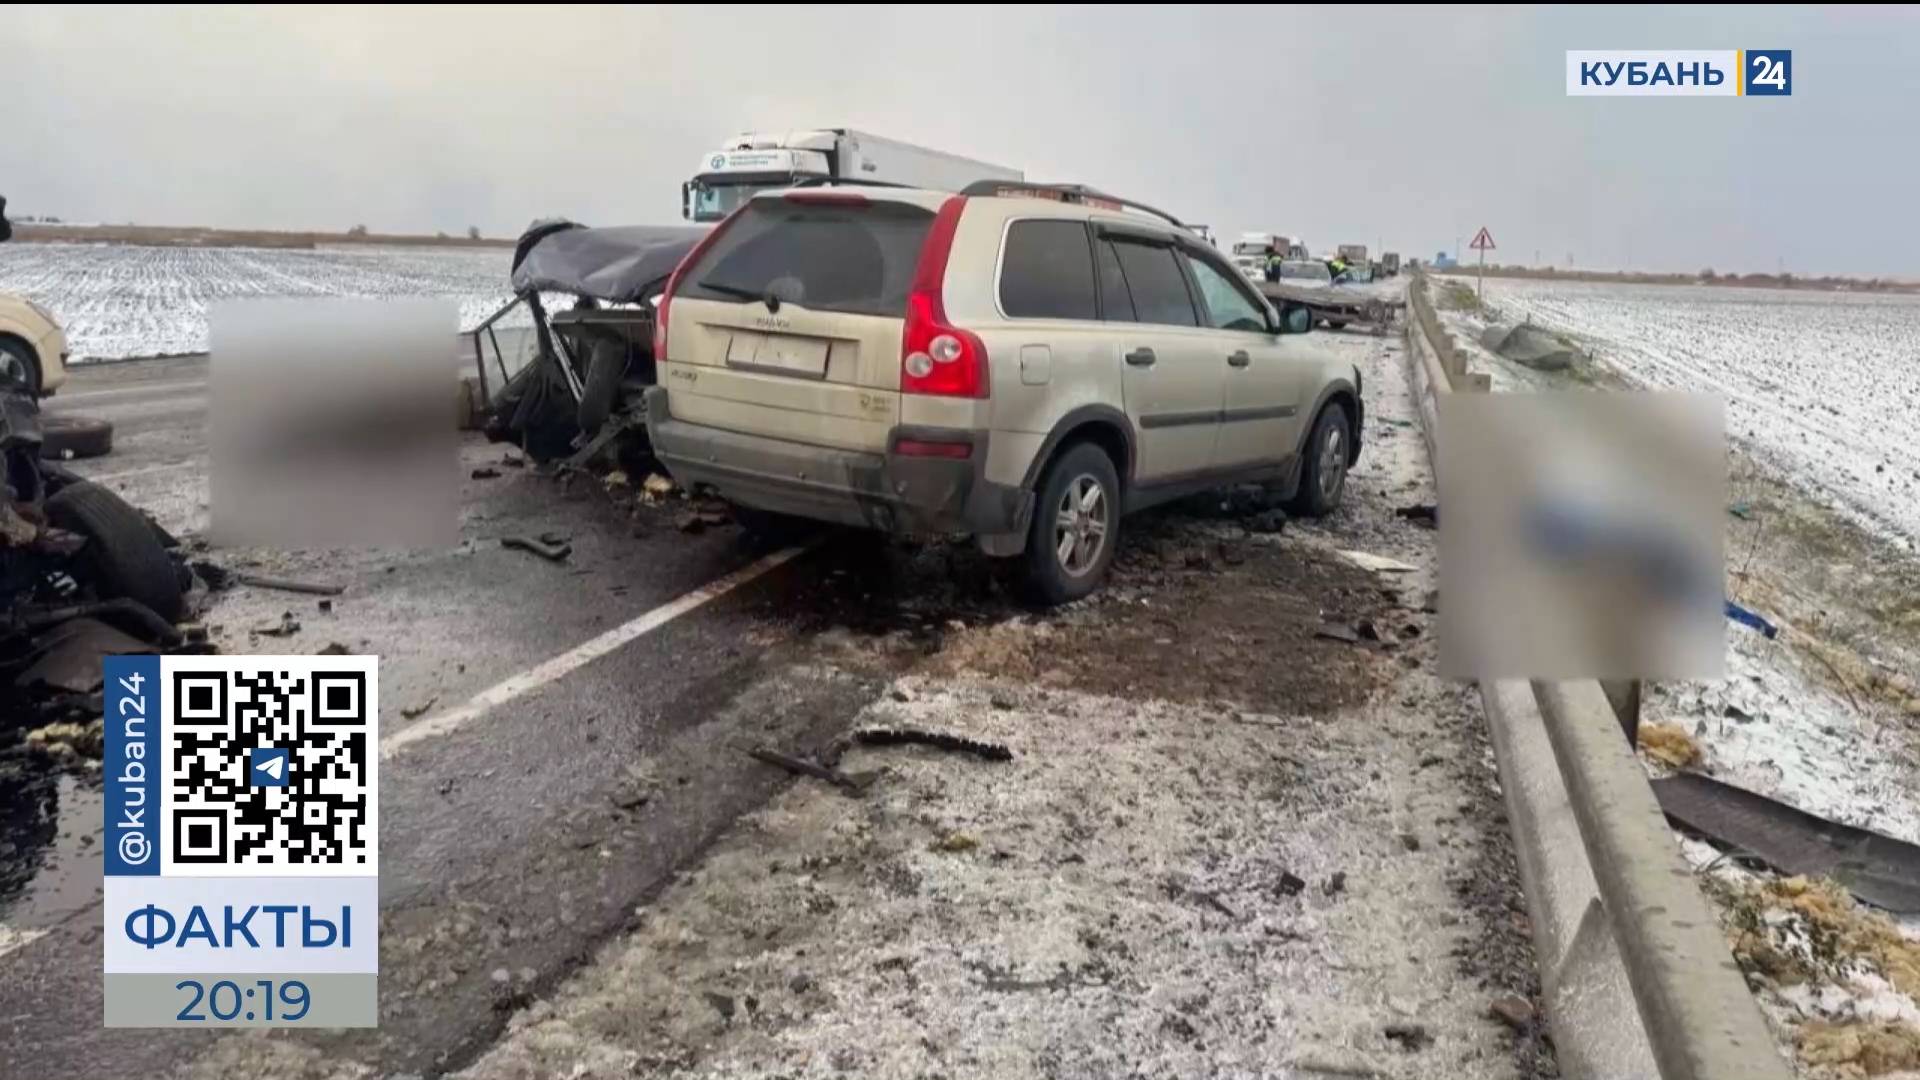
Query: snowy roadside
(1225,845)
(1823,717)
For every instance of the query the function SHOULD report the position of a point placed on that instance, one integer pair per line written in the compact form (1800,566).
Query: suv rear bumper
(893,492)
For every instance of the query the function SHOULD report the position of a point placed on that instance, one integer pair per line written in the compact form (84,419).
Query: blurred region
(1582,535)
(333,423)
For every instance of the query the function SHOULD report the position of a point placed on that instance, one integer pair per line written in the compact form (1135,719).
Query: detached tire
(1323,473)
(1076,525)
(605,368)
(64,437)
(123,556)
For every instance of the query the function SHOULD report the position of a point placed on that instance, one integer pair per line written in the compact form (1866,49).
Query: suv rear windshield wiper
(740,291)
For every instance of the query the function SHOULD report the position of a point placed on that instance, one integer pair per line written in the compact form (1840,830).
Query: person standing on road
(1273,266)
(6,230)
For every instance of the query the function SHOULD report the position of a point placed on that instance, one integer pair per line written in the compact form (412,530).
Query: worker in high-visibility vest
(1273,266)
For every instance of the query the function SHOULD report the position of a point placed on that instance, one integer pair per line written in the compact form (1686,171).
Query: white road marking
(11,939)
(156,388)
(541,674)
(101,478)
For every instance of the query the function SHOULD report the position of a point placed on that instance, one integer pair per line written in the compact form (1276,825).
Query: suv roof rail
(851,181)
(1073,193)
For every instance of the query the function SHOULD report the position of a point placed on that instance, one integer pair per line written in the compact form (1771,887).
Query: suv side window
(1047,272)
(1159,288)
(1228,306)
(1116,303)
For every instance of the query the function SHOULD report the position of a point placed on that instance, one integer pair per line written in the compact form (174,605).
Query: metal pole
(1481,286)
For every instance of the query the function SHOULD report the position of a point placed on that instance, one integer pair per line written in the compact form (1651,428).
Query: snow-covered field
(118,301)
(1823,385)
(1823,407)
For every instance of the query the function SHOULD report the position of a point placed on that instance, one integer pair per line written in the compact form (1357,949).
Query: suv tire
(1323,473)
(19,368)
(1078,509)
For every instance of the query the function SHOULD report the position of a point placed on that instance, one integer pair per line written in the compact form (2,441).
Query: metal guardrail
(1649,921)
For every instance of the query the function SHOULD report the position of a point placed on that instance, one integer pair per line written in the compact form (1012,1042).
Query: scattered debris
(218,578)
(1267,521)
(1411,1037)
(1670,745)
(1346,635)
(485,473)
(514,461)
(940,740)
(657,486)
(1001,701)
(850,784)
(1336,884)
(1512,1010)
(326,607)
(701,517)
(334,648)
(1742,615)
(416,710)
(62,740)
(1741,509)
(1410,841)
(1737,714)
(315,588)
(286,627)
(1425,514)
(1379,564)
(1879,869)
(617,479)
(552,552)
(1291,884)
(68,656)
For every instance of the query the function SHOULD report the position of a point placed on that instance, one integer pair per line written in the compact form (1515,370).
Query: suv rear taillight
(673,282)
(937,357)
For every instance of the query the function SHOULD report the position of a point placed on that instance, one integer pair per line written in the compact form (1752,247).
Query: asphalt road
(511,841)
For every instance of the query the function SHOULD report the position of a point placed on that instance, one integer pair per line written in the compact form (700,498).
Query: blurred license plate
(779,353)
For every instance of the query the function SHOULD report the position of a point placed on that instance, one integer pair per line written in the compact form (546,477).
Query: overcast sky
(1408,128)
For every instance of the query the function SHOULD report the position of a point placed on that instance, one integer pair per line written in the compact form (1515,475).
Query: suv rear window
(1048,271)
(1159,288)
(855,259)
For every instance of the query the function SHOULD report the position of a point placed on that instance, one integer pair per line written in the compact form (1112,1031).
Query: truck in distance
(1251,251)
(756,161)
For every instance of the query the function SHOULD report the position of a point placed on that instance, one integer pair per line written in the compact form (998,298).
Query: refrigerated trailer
(756,161)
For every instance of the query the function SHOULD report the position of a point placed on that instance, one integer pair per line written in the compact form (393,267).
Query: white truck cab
(751,162)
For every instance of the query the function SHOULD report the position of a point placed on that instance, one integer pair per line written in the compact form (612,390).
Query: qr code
(271,765)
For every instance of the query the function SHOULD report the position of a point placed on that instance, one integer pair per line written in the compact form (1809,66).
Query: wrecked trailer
(1336,306)
(593,356)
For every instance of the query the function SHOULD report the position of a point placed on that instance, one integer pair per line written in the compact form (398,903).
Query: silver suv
(1020,364)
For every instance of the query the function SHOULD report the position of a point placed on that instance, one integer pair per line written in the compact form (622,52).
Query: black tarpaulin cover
(618,264)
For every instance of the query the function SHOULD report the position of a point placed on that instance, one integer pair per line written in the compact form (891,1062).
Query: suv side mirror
(1297,320)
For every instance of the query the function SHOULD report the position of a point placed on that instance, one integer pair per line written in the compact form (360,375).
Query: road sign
(1482,240)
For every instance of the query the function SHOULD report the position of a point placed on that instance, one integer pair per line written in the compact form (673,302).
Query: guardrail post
(1699,1016)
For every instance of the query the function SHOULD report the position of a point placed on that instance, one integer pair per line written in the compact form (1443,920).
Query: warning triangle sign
(1482,240)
